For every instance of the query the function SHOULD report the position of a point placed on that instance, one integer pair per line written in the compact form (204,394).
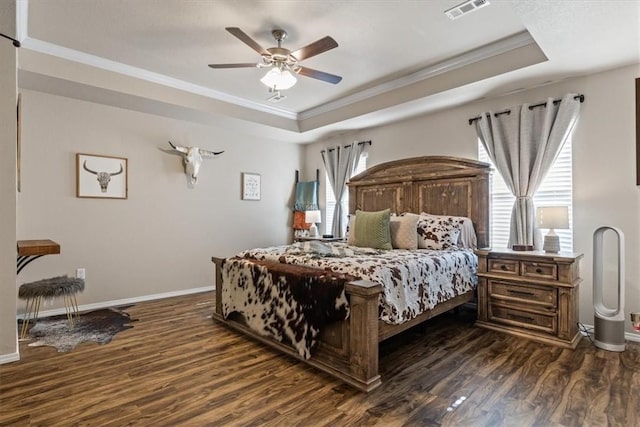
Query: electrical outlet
(80,273)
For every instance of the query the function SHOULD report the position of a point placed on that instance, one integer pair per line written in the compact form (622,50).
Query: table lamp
(312,217)
(552,217)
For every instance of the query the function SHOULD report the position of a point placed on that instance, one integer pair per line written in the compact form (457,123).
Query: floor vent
(464,8)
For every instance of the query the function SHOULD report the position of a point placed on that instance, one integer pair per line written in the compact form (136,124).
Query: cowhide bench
(35,292)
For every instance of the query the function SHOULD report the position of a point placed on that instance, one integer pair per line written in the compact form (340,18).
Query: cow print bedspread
(289,303)
(413,281)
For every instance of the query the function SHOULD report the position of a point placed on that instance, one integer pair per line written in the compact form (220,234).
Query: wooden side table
(29,250)
(531,294)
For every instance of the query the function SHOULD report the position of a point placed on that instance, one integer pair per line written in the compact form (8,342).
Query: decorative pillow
(467,238)
(403,230)
(438,232)
(372,229)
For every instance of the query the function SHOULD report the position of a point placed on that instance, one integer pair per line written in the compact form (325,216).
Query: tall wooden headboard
(438,185)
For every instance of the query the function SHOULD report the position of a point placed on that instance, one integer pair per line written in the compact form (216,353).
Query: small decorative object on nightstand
(552,217)
(530,294)
(312,217)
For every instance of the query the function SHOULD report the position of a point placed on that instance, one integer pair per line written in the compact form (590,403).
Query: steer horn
(209,153)
(178,148)
(84,165)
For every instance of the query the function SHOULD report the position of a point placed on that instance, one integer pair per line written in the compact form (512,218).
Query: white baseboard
(11,357)
(632,336)
(125,301)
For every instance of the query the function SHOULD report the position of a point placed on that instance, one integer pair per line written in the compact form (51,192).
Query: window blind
(555,190)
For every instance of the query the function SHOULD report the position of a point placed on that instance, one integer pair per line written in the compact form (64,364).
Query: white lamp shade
(278,79)
(552,217)
(312,217)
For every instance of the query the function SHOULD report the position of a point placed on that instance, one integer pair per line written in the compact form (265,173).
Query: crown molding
(496,48)
(140,73)
(22,23)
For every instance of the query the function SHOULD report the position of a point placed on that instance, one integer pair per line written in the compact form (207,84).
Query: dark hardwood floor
(177,367)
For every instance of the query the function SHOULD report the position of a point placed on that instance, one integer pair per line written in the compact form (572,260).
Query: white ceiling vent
(464,8)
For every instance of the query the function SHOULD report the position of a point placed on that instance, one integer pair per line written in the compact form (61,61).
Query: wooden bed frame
(437,185)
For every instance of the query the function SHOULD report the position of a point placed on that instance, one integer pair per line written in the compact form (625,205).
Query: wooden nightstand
(530,294)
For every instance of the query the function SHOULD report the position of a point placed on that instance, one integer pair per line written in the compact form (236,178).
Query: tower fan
(608,322)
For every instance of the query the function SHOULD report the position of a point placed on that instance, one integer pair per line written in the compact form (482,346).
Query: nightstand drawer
(523,293)
(506,266)
(522,319)
(540,270)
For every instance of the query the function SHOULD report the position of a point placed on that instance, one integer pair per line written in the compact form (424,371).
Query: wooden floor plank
(176,366)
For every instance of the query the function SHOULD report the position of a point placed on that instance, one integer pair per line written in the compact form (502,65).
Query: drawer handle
(503,267)
(539,270)
(525,293)
(521,318)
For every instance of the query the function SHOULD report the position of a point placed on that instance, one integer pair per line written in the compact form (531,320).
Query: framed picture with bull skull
(101,177)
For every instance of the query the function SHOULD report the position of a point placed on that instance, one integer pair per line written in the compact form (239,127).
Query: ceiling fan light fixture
(278,79)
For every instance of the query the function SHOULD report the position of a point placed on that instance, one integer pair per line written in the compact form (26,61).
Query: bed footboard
(347,350)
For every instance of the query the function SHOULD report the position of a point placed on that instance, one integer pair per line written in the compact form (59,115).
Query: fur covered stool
(35,292)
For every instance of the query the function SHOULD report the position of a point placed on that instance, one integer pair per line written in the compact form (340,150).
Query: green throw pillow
(372,229)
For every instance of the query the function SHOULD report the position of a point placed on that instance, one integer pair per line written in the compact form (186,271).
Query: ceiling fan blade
(320,75)
(241,65)
(247,40)
(315,48)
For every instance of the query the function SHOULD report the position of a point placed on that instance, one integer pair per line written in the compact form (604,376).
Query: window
(555,190)
(331,198)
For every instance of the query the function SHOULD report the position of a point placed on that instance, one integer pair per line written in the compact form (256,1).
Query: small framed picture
(101,177)
(250,186)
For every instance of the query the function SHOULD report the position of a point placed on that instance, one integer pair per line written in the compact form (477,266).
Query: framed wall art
(101,177)
(250,186)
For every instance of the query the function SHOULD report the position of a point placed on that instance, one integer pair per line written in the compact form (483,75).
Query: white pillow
(404,234)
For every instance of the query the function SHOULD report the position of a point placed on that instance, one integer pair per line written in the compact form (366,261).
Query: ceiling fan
(283,62)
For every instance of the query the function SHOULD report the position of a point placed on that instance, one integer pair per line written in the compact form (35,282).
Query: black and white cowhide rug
(98,326)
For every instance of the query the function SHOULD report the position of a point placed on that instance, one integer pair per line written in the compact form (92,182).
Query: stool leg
(32,309)
(25,320)
(68,309)
(75,306)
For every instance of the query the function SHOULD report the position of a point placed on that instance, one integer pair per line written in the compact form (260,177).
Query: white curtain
(523,145)
(340,163)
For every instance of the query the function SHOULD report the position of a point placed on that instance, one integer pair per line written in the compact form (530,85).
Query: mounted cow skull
(103,177)
(192,157)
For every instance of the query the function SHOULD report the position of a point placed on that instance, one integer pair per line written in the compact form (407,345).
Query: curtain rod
(16,43)
(347,146)
(531,107)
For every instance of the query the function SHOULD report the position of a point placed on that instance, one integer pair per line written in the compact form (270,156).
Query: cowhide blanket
(413,281)
(289,303)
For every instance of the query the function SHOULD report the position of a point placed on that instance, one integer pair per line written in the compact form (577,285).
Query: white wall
(8,334)
(161,239)
(604,161)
